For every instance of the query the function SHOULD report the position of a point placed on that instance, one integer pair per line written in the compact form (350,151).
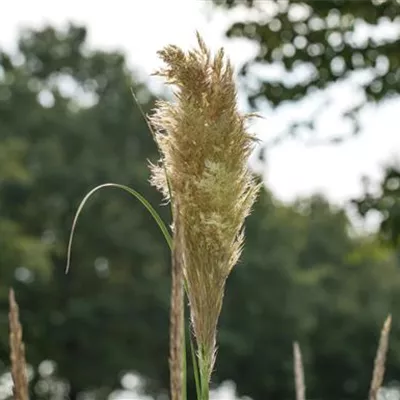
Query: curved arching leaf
(131,191)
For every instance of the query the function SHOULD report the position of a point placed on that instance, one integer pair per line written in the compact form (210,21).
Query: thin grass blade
(184,363)
(131,191)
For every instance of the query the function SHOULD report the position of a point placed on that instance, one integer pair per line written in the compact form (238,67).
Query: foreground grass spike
(17,352)
(380,360)
(177,326)
(298,372)
(204,148)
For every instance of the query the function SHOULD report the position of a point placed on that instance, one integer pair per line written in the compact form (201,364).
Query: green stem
(205,388)
(184,363)
(195,369)
(204,375)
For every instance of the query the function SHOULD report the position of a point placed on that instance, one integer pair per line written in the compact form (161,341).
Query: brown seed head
(17,352)
(205,149)
(380,360)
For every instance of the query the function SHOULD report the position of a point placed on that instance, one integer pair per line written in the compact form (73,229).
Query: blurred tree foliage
(67,123)
(313,44)
(304,277)
(385,202)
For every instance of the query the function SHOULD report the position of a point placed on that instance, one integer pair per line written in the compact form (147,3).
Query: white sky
(140,28)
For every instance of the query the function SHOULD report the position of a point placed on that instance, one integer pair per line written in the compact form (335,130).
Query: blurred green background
(68,122)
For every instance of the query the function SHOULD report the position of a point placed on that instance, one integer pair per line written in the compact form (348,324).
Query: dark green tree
(314,44)
(68,122)
(314,283)
(384,201)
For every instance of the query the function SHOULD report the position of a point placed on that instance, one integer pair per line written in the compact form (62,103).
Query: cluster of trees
(56,146)
(68,123)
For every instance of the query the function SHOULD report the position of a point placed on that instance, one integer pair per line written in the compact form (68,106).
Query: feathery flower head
(204,149)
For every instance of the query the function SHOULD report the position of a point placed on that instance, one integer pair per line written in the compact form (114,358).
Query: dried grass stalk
(176,318)
(205,149)
(380,360)
(298,372)
(17,352)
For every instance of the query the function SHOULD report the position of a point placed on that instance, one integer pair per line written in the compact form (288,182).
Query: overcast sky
(143,27)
